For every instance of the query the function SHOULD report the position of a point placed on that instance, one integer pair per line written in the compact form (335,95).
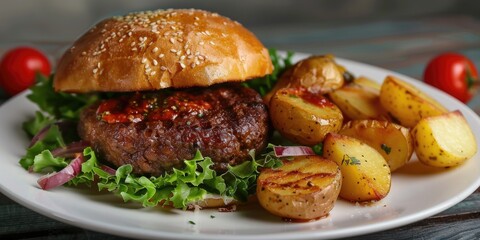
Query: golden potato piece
(303,117)
(444,141)
(366,175)
(358,103)
(392,141)
(304,188)
(367,84)
(406,103)
(317,74)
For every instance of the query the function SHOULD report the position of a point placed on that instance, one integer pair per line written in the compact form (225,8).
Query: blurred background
(400,35)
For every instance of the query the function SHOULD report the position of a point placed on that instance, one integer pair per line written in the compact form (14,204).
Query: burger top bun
(160,49)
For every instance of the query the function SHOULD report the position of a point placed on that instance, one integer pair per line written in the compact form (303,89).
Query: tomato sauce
(151,107)
(312,98)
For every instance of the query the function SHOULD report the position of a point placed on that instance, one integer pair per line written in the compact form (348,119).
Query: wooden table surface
(403,46)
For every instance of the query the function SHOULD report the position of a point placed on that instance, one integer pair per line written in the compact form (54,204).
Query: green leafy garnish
(318,149)
(280,63)
(34,125)
(58,104)
(348,160)
(35,154)
(386,148)
(179,188)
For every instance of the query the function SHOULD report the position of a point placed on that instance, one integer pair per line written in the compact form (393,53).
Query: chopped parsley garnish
(386,148)
(318,149)
(347,160)
(191,222)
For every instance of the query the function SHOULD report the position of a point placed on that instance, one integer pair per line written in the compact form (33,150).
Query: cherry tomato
(452,73)
(19,66)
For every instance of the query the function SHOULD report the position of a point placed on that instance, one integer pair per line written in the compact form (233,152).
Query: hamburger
(176,76)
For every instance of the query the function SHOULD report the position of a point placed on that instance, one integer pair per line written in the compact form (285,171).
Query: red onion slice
(53,180)
(292,151)
(39,136)
(70,150)
(62,125)
(108,169)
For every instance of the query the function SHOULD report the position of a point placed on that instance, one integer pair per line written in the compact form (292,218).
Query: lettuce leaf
(58,104)
(179,188)
(280,63)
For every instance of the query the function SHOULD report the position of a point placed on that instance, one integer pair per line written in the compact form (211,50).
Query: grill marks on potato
(304,188)
(295,179)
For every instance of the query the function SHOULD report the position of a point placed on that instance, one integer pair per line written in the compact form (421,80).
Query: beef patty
(163,129)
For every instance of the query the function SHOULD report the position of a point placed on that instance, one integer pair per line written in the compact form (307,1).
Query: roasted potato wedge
(406,103)
(366,175)
(303,117)
(444,141)
(304,188)
(392,141)
(358,103)
(317,74)
(367,84)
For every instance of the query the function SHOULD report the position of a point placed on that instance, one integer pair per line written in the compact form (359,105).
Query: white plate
(413,196)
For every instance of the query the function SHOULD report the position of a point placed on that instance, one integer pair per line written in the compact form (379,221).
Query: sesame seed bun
(161,49)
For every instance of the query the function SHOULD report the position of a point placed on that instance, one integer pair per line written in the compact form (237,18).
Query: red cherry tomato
(452,73)
(19,66)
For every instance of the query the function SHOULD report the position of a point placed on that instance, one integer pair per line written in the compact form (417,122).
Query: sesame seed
(130,34)
(134,49)
(155,49)
(212,43)
(153,73)
(207,32)
(161,55)
(201,43)
(182,65)
(188,52)
(144,60)
(192,65)
(155,62)
(133,44)
(195,23)
(197,18)
(224,34)
(163,68)
(84,53)
(201,57)
(95,70)
(173,50)
(182,57)
(172,40)
(99,64)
